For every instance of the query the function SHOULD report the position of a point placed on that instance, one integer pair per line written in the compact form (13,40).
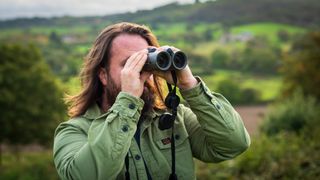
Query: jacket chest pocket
(184,158)
(163,139)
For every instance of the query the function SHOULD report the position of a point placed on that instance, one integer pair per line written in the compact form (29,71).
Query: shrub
(31,166)
(282,156)
(300,66)
(219,59)
(232,91)
(292,115)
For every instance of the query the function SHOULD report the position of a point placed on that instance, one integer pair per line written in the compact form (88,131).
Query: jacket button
(132,106)
(137,157)
(125,128)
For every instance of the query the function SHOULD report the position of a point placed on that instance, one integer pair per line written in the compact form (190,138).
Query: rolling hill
(229,12)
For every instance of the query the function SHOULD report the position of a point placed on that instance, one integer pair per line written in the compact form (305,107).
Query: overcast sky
(10,9)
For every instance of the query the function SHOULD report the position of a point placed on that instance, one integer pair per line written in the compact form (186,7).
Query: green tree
(31,103)
(208,34)
(202,65)
(283,35)
(301,66)
(55,38)
(236,95)
(220,59)
(259,57)
(230,89)
(292,115)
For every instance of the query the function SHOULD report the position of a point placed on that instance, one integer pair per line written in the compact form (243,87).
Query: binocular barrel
(165,60)
(179,60)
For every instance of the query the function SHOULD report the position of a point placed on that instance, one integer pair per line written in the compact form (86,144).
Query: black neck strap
(173,175)
(127,167)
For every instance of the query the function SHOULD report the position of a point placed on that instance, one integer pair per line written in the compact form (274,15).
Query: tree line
(229,12)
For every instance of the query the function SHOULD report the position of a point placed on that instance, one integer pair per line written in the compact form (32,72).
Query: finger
(135,58)
(138,67)
(131,59)
(136,61)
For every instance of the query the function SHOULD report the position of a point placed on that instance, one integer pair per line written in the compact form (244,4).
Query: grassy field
(268,87)
(267,29)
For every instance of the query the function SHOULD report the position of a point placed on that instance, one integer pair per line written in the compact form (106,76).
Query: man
(116,115)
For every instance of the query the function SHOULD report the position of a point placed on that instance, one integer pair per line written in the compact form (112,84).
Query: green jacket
(94,146)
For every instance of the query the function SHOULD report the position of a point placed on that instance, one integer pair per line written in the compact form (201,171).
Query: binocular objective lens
(179,60)
(163,61)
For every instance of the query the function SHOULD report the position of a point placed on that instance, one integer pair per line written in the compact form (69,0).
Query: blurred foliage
(32,166)
(292,114)
(301,66)
(200,67)
(285,155)
(235,94)
(258,57)
(31,98)
(220,59)
(283,35)
(288,145)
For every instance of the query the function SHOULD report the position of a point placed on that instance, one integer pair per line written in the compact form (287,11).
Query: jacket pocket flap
(164,141)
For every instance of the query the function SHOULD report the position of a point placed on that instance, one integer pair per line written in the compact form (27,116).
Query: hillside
(229,12)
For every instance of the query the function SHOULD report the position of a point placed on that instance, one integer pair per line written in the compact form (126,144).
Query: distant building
(241,37)
(73,39)
(69,39)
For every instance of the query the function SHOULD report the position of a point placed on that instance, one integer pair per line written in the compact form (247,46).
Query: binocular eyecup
(165,60)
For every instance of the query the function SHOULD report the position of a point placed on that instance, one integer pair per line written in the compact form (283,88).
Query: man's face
(123,46)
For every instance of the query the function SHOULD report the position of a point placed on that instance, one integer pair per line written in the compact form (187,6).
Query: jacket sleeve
(98,153)
(216,131)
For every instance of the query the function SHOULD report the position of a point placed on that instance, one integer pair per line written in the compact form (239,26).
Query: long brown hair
(92,89)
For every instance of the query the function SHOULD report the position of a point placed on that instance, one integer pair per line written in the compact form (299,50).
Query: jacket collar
(93,112)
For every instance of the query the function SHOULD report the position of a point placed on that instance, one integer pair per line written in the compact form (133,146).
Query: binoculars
(165,60)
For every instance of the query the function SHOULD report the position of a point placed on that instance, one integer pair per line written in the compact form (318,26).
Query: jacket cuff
(128,105)
(195,91)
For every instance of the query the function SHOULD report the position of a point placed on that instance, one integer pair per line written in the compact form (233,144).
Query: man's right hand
(132,79)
